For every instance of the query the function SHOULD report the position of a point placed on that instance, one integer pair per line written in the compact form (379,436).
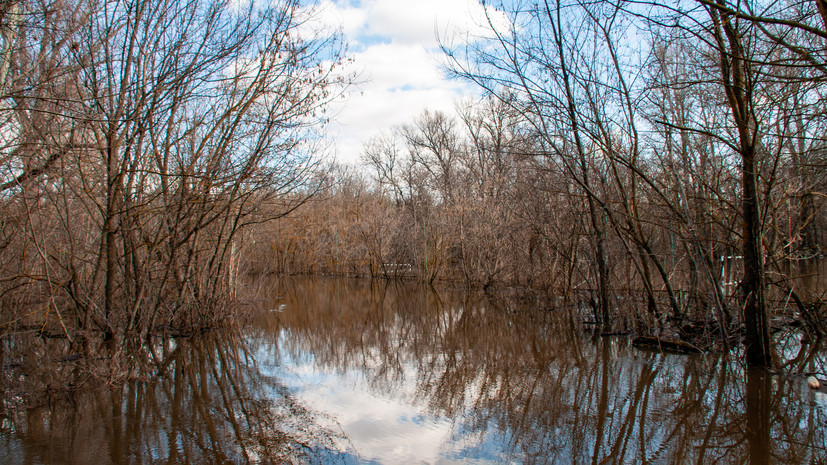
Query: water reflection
(342,371)
(202,401)
(519,384)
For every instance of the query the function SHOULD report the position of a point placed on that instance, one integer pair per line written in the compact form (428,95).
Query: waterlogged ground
(343,371)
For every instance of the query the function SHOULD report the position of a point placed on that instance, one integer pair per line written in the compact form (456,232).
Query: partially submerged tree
(581,74)
(181,123)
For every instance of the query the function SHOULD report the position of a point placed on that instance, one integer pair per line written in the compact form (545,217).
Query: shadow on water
(348,371)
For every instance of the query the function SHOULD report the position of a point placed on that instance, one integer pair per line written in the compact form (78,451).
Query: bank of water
(348,371)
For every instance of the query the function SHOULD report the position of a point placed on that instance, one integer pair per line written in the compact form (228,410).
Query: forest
(657,166)
(675,188)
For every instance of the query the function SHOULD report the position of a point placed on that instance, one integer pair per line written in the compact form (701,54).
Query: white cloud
(393,66)
(365,116)
(423,21)
(395,51)
(400,81)
(401,21)
(341,15)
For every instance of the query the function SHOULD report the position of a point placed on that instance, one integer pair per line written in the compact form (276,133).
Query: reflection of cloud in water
(410,375)
(382,429)
(199,400)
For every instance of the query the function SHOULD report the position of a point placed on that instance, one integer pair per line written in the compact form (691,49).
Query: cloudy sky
(395,51)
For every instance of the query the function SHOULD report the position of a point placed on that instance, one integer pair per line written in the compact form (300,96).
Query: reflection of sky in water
(382,428)
(399,379)
(409,378)
(392,424)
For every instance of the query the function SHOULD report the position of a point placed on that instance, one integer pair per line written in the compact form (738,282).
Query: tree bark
(757,340)
(736,79)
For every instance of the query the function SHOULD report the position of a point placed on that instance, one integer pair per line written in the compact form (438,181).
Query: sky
(395,51)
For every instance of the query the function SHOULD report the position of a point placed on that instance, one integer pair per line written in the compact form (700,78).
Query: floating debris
(662,345)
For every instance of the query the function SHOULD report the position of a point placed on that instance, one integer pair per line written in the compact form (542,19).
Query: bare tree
(186,122)
(537,72)
(574,72)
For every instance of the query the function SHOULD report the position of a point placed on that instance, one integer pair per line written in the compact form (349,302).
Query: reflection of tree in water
(202,401)
(529,382)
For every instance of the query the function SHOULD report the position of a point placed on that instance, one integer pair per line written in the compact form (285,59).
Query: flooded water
(344,371)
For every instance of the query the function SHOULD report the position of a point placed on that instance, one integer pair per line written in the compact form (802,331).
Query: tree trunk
(737,82)
(757,339)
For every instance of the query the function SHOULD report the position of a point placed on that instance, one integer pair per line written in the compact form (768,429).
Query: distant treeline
(498,214)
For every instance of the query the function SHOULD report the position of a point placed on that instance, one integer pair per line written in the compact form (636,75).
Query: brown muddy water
(345,371)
